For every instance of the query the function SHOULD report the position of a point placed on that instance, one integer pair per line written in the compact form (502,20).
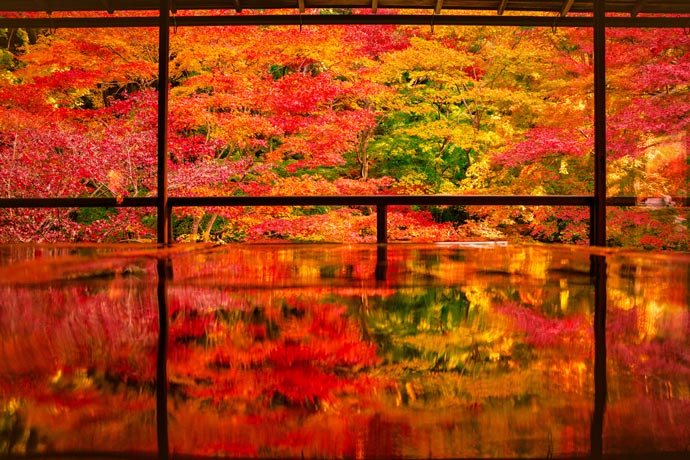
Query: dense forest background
(344,110)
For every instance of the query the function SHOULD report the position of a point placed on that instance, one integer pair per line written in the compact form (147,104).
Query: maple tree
(648,137)
(401,110)
(333,111)
(646,126)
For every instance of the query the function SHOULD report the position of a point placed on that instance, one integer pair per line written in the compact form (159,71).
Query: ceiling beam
(502,7)
(107,6)
(566,7)
(45,6)
(370,19)
(664,8)
(374,5)
(439,7)
(639,5)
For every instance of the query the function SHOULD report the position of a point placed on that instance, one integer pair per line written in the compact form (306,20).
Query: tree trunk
(364,170)
(194,234)
(362,155)
(206,237)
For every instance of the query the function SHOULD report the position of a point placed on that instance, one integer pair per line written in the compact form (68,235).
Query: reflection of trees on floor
(284,351)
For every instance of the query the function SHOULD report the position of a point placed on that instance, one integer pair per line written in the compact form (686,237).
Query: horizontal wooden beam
(106,6)
(44,5)
(639,5)
(662,7)
(317,19)
(387,200)
(330,200)
(14,203)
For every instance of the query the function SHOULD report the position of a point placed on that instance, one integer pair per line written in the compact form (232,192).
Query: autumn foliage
(342,110)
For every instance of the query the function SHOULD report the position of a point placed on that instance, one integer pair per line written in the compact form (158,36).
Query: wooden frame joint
(439,7)
(502,7)
(566,7)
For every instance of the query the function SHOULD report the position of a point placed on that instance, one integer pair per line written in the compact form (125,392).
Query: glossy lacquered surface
(343,351)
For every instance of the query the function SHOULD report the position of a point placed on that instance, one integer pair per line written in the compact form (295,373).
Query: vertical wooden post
(381,272)
(598,231)
(164,214)
(687,158)
(381,240)
(164,272)
(598,216)
(381,223)
(599,272)
(163,227)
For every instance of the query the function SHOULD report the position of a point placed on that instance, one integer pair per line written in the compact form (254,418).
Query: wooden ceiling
(499,7)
